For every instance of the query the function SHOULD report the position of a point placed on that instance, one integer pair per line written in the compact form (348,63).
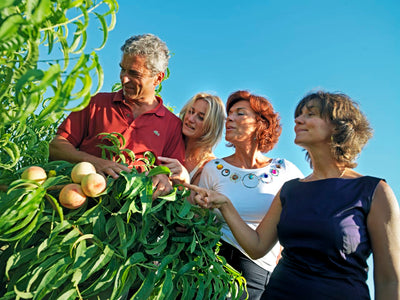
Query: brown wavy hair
(268,121)
(351,128)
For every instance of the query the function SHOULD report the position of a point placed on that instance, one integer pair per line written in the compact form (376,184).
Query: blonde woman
(203,118)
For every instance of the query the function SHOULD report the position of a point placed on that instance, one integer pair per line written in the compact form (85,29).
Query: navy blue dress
(326,244)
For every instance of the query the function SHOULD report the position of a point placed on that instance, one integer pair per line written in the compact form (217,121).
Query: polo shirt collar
(158,110)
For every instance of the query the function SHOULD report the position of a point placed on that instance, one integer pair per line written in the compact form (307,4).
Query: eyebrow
(238,108)
(200,113)
(311,107)
(131,70)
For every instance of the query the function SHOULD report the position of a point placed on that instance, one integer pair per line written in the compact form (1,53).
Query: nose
(124,77)
(190,117)
(298,119)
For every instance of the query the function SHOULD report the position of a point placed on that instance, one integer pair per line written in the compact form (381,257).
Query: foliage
(34,93)
(120,244)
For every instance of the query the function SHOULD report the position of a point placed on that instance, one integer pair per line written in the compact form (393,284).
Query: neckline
(195,169)
(271,163)
(326,179)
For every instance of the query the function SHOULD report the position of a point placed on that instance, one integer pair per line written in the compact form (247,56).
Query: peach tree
(119,244)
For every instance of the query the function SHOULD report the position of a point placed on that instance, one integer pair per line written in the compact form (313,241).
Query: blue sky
(281,50)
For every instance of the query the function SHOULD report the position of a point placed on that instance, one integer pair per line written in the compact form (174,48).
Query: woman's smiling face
(241,123)
(311,128)
(193,122)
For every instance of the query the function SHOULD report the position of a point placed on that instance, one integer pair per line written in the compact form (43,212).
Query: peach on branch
(72,196)
(35,173)
(80,170)
(93,184)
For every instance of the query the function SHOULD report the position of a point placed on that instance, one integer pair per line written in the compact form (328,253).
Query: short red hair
(268,121)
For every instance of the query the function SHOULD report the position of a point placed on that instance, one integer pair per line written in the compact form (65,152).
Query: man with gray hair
(134,111)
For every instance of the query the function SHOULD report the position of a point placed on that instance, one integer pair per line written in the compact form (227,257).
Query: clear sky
(281,50)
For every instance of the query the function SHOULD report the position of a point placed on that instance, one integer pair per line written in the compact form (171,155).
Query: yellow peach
(81,169)
(72,196)
(93,184)
(35,173)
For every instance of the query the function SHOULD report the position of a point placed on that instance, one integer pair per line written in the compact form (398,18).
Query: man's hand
(162,185)
(107,167)
(61,149)
(178,172)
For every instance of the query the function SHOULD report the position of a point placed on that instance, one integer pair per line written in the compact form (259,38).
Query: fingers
(124,168)
(201,201)
(193,187)
(171,163)
(201,197)
(162,185)
(111,172)
(166,159)
(114,170)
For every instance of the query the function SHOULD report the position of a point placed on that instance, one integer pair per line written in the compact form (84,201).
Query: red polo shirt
(158,130)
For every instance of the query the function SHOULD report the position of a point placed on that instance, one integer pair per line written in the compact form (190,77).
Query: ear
(158,78)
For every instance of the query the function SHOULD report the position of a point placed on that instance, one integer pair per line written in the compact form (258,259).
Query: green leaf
(146,288)
(19,259)
(69,294)
(10,26)
(56,205)
(29,76)
(185,209)
(23,295)
(6,3)
(158,249)
(159,170)
(105,280)
(166,287)
(48,279)
(27,230)
(42,11)
(104,29)
(97,263)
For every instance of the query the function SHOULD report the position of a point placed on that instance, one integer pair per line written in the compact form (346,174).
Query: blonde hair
(214,118)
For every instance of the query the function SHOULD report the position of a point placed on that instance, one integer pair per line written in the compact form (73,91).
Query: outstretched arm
(384,229)
(61,149)
(255,242)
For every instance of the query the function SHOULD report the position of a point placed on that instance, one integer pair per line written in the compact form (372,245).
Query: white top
(193,172)
(251,192)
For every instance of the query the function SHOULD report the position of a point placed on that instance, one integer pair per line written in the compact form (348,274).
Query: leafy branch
(33,98)
(120,244)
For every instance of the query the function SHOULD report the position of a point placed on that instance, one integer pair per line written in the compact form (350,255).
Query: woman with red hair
(249,179)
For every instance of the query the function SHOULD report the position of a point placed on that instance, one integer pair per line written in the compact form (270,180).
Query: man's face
(137,82)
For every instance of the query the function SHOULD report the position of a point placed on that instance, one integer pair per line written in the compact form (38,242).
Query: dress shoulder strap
(198,169)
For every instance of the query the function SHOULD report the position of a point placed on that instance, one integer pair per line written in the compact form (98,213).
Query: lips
(297,130)
(189,126)
(128,88)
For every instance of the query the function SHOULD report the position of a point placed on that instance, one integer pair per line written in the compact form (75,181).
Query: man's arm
(61,149)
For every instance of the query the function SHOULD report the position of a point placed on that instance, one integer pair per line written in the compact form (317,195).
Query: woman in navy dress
(331,221)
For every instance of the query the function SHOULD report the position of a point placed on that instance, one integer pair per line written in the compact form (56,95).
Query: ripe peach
(35,173)
(93,184)
(81,169)
(72,196)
